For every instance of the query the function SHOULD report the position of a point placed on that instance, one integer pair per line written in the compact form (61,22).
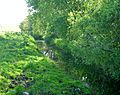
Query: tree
(85,34)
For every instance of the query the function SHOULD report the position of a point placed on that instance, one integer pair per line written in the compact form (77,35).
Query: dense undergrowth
(24,69)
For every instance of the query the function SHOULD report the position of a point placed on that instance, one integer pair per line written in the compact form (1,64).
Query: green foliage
(85,35)
(25,25)
(24,69)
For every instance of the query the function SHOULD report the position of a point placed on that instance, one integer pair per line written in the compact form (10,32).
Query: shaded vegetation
(84,35)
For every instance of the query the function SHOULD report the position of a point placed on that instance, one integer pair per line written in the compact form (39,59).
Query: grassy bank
(24,69)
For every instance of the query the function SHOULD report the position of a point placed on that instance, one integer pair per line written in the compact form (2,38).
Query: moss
(23,69)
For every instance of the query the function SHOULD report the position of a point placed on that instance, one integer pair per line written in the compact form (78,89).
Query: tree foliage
(85,35)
